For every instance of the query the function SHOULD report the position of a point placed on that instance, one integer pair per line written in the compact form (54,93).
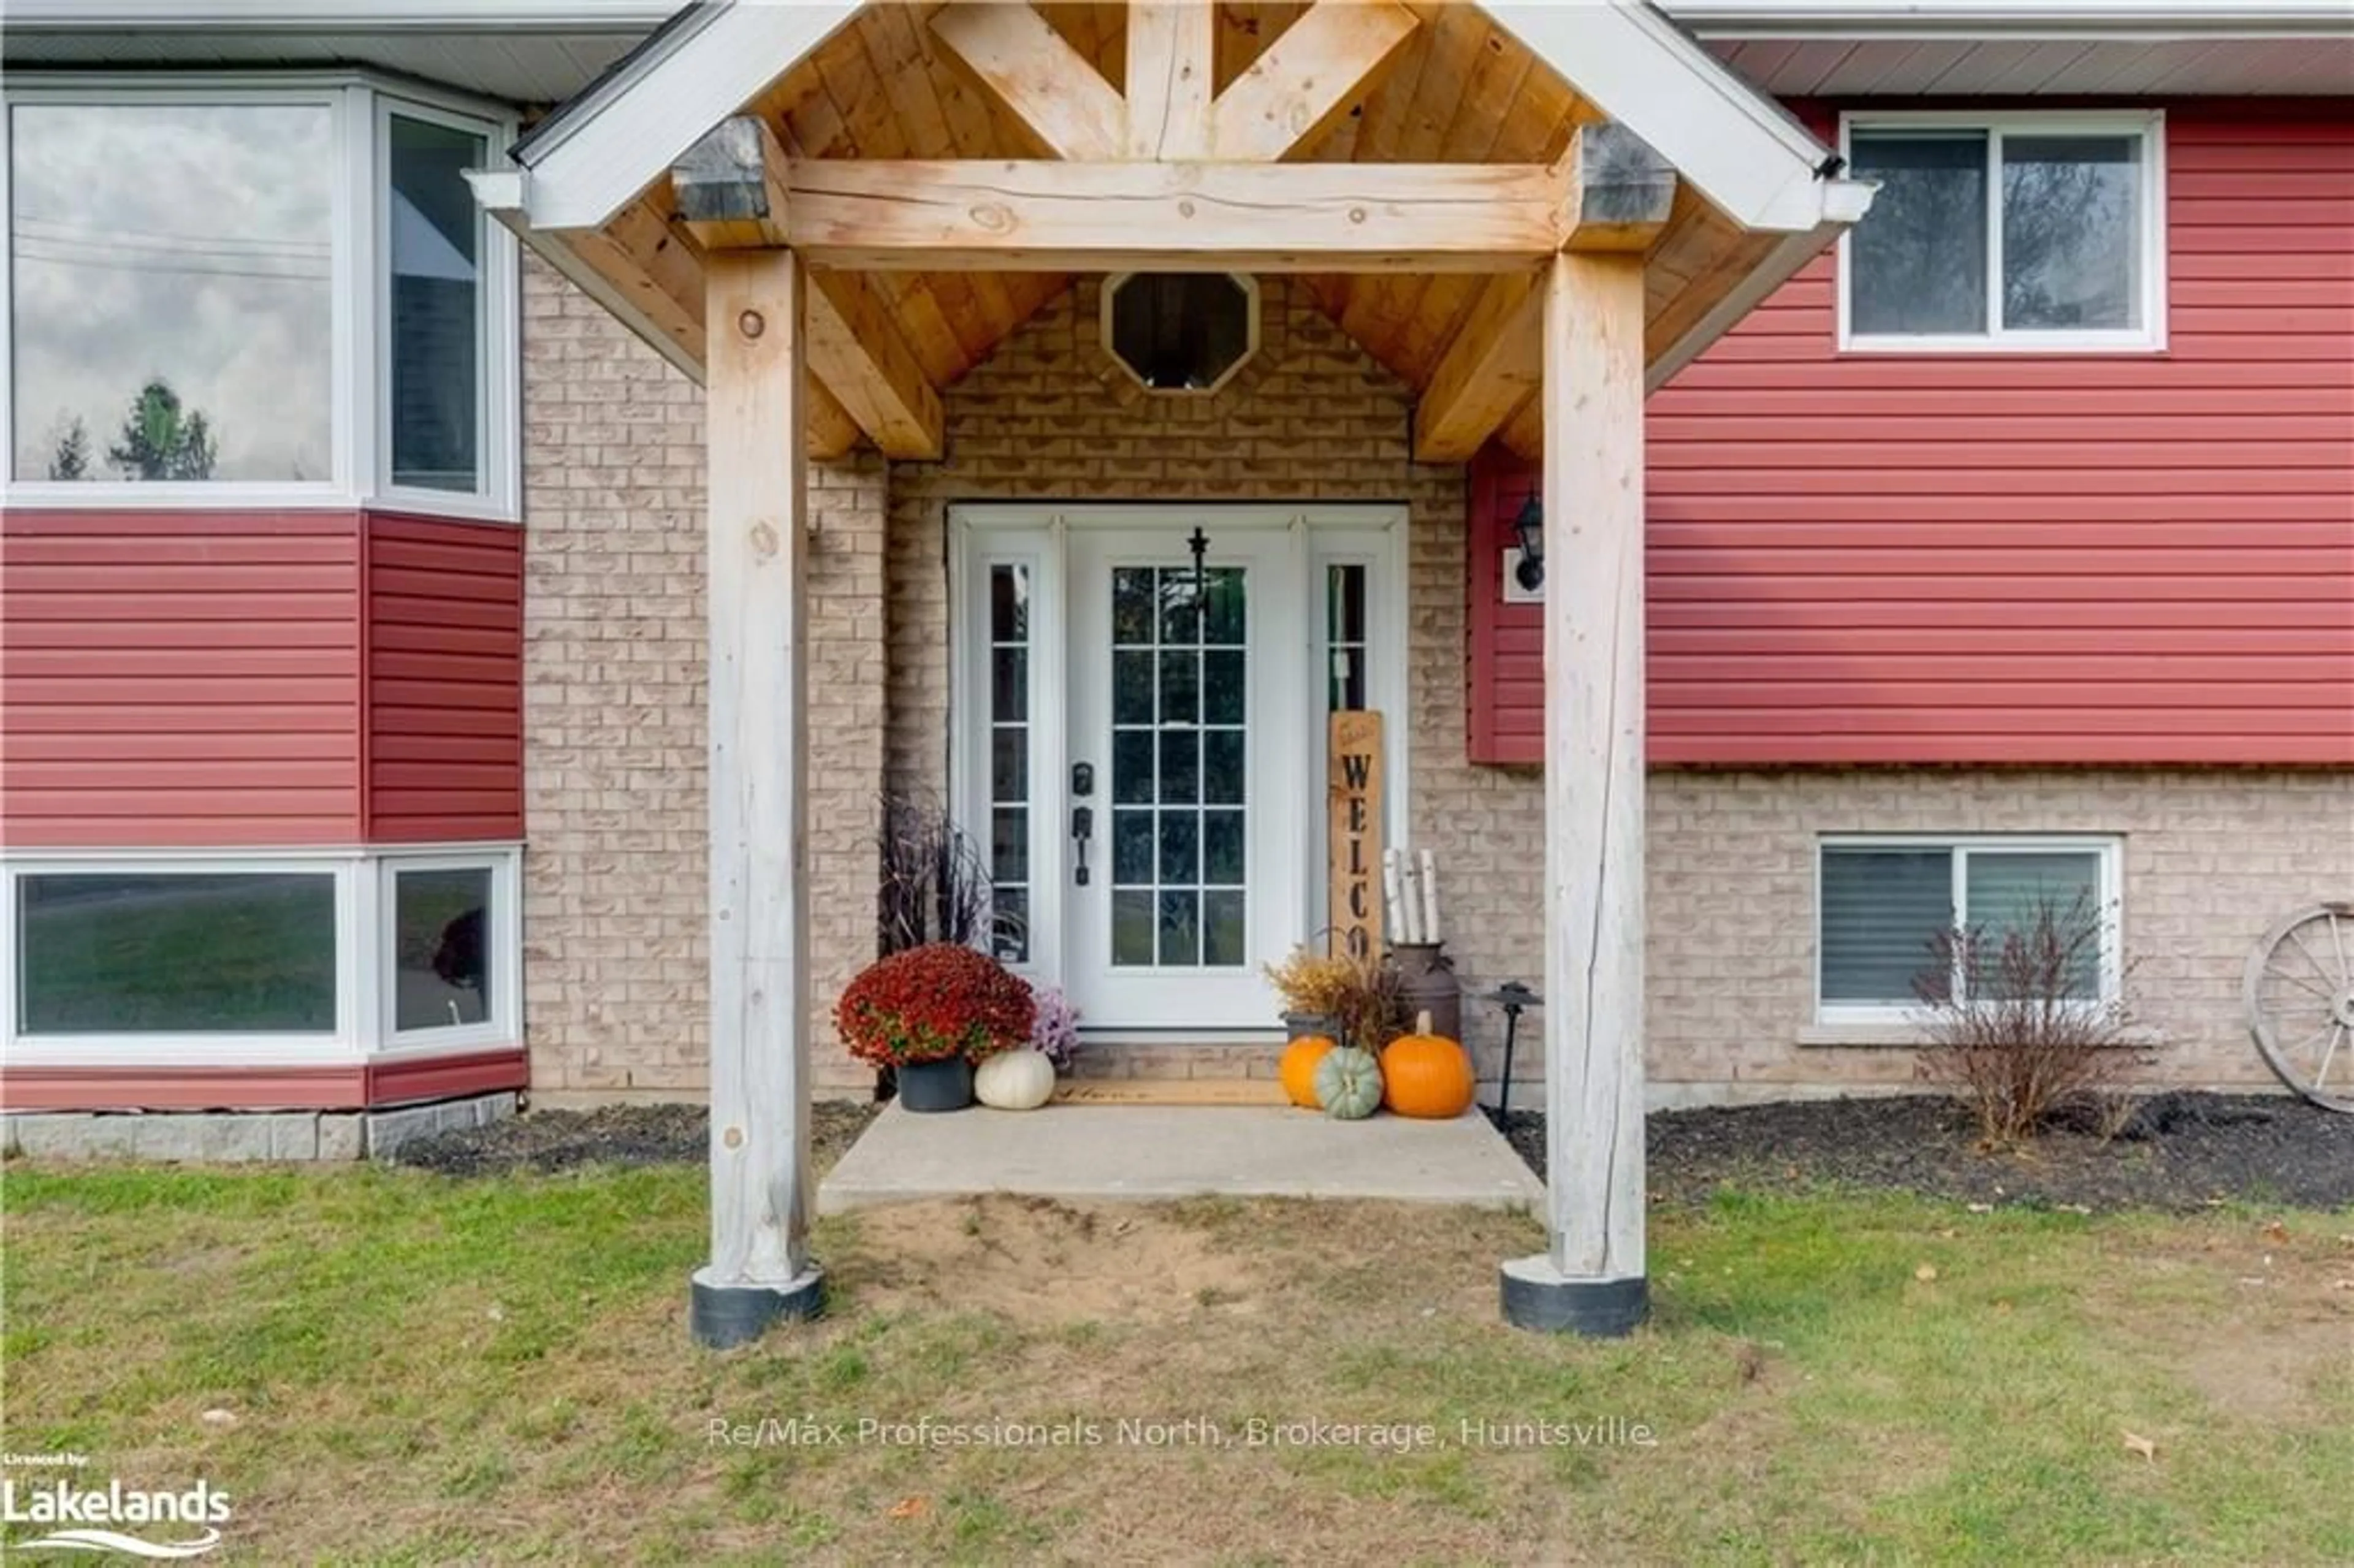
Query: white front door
(1139,748)
(1187,741)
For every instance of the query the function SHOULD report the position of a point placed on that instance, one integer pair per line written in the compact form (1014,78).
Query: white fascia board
(342,15)
(1996,19)
(1738,147)
(594,155)
(502,193)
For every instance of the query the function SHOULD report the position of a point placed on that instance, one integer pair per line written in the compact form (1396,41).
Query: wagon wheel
(2300,995)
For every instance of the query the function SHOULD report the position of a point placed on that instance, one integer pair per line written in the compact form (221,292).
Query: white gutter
(341,16)
(1995,19)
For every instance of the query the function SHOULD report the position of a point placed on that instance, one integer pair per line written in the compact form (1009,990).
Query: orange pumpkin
(1298,1068)
(1426,1076)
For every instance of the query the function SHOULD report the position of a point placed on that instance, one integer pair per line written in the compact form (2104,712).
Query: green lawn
(422,1370)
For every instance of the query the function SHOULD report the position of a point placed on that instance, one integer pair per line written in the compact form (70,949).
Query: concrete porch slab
(1116,1152)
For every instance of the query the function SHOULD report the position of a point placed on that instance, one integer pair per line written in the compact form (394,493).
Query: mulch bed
(2178,1152)
(612,1135)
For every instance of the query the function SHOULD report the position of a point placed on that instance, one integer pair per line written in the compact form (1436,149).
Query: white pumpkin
(1014,1080)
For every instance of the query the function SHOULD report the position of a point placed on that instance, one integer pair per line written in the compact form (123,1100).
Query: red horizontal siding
(2016,559)
(359,1087)
(444,680)
(179,679)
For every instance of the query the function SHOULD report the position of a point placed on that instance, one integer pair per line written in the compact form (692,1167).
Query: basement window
(1180,332)
(1882,903)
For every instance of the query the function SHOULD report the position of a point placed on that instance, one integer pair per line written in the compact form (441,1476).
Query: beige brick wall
(614,902)
(1314,418)
(614,876)
(2211,858)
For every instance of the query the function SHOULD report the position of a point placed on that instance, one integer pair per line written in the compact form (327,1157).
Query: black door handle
(1083,828)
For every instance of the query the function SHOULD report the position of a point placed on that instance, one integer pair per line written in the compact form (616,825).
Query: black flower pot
(943,1086)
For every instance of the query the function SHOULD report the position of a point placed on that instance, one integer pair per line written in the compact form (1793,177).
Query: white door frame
(1035,534)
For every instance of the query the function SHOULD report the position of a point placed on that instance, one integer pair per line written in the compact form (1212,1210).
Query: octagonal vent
(1180,332)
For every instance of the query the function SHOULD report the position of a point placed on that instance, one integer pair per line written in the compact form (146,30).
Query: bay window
(2013,233)
(255,290)
(196,958)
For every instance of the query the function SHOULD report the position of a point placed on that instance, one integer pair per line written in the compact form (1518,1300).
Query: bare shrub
(2013,1025)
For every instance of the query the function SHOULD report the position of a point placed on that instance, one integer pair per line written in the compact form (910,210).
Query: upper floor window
(254,293)
(2033,233)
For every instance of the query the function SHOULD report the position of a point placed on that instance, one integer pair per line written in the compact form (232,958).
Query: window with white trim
(260,291)
(271,956)
(1882,903)
(2024,233)
(250,952)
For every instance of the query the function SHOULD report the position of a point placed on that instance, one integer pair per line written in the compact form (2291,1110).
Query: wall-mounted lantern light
(1529,527)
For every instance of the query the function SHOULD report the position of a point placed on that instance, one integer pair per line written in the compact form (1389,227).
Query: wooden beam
(856,349)
(1268,218)
(1621,192)
(1594,1277)
(1048,85)
(1171,68)
(1496,361)
(729,186)
(1307,80)
(758,619)
(729,190)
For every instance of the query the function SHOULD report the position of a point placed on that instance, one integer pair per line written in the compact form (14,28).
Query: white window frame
(2108,848)
(139,1048)
(364,961)
(497,493)
(361,294)
(501,932)
(2150,337)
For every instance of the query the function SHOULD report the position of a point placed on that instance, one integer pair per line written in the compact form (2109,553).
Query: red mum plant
(933,1003)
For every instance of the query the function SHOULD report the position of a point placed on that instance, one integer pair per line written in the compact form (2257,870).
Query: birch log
(1430,898)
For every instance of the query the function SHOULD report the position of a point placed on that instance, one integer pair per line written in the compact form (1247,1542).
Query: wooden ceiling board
(1461,89)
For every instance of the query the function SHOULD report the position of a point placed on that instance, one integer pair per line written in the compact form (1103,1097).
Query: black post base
(720,1316)
(1539,1298)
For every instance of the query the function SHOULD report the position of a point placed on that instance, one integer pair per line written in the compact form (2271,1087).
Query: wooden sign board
(1353,816)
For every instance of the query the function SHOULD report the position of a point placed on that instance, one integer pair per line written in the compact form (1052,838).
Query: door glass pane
(1344,637)
(1918,259)
(1180,678)
(1009,759)
(2071,232)
(1181,928)
(1132,926)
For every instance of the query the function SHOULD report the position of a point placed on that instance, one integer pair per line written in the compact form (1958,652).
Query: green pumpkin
(1349,1084)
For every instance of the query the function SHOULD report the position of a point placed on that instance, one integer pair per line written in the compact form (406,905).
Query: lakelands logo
(88,1512)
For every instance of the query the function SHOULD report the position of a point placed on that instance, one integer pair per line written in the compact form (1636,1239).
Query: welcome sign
(1353,813)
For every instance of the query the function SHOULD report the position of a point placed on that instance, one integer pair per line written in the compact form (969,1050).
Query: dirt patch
(612,1135)
(1040,1262)
(2178,1152)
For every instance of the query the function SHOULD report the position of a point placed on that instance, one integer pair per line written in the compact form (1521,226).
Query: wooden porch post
(756,317)
(1592,1279)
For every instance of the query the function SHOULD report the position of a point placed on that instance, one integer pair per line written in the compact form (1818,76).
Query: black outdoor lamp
(1529,527)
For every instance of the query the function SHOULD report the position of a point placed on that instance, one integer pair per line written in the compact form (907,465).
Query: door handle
(1083,828)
